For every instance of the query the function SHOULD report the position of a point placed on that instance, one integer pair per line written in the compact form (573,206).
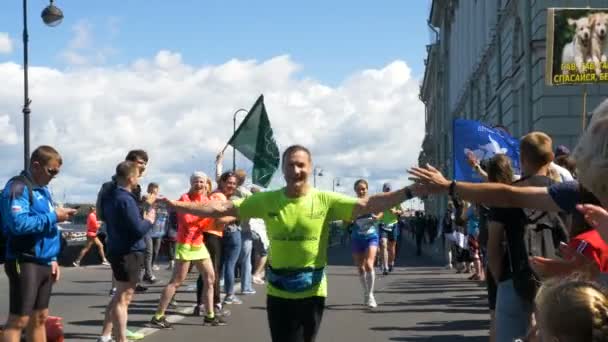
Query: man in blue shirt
(33,243)
(126,246)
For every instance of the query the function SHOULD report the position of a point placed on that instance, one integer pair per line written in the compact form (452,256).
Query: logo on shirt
(16,209)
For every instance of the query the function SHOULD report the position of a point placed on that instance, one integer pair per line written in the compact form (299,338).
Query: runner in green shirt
(297,220)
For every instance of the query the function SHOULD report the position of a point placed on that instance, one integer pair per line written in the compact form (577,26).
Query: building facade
(486,61)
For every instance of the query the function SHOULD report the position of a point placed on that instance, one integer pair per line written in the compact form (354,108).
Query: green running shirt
(298,229)
(389,218)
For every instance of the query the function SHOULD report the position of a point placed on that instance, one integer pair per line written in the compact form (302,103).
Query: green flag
(255,141)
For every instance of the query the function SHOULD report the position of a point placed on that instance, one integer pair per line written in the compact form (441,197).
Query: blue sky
(340,77)
(329,39)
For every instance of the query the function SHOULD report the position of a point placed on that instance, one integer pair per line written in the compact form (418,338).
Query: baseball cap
(561,150)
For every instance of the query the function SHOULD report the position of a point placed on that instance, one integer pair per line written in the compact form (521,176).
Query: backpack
(539,234)
(29,185)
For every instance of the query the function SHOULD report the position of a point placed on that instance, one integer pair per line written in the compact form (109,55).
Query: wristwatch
(452,188)
(408,194)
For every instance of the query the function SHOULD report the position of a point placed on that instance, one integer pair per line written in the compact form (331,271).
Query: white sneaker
(371,302)
(155,268)
(76,263)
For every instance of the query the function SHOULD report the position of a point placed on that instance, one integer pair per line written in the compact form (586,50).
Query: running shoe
(151,279)
(140,288)
(105,263)
(390,268)
(134,336)
(105,339)
(257,280)
(112,291)
(232,300)
(198,309)
(385,272)
(248,292)
(214,321)
(155,268)
(160,323)
(371,302)
(219,310)
(76,263)
(173,304)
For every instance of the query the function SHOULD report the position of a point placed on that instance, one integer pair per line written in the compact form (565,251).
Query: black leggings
(294,320)
(214,246)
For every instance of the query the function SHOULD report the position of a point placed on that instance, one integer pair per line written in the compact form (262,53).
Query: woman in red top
(92,227)
(190,249)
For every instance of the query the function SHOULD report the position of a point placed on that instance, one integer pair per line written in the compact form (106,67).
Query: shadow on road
(442,338)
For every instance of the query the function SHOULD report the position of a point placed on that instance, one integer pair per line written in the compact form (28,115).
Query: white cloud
(83,50)
(6,44)
(8,134)
(371,124)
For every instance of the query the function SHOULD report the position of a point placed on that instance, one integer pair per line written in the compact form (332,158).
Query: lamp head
(52,15)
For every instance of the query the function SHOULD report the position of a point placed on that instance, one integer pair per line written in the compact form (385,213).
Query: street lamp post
(52,16)
(234,131)
(316,172)
(335,183)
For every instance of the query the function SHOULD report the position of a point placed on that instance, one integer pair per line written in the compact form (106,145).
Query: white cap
(197,175)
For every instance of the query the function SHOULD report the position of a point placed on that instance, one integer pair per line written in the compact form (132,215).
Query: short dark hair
(126,169)
(360,181)
(293,149)
(133,155)
(153,186)
(44,154)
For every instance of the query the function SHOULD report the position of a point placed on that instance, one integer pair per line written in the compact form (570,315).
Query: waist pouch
(295,280)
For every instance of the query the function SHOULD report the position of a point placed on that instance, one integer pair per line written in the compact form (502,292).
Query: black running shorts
(127,268)
(30,286)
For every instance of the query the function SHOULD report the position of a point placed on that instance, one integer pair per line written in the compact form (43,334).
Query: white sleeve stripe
(582,246)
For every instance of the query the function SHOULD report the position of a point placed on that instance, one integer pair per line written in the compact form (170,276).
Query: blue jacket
(125,226)
(31,231)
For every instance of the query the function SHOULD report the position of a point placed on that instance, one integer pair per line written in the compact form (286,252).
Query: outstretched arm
(383,201)
(491,194)
(214,209)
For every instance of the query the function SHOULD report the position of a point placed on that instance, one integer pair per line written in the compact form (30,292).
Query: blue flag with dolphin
(483,141)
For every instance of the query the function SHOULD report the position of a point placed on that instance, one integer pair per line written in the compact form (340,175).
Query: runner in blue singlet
(365,240)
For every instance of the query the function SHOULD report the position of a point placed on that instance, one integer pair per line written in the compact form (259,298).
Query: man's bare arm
(506,196)
(495,252)
(491,194)
(381,202)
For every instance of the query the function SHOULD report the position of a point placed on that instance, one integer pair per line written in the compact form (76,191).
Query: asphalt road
(419,301)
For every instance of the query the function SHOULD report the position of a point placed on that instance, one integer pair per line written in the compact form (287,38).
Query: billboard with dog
(577,46)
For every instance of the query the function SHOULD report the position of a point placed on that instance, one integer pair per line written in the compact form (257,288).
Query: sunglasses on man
(51,172)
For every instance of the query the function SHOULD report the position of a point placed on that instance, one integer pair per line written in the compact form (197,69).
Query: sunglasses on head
(52,172)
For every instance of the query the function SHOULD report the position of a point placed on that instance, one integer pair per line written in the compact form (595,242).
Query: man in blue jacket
(29,222)
(126,246)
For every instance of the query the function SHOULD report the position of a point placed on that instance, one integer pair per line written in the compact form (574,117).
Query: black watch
(408,194)
(452,188)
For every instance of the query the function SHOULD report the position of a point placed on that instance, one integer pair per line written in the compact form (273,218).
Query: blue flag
(484,142)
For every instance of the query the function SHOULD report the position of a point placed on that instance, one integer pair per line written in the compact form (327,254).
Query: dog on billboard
(599,42)
(578,51)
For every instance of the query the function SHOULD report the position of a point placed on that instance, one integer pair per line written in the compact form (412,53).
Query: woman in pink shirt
(92,239)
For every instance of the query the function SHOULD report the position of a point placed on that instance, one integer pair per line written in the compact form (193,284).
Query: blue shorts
(359,245)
